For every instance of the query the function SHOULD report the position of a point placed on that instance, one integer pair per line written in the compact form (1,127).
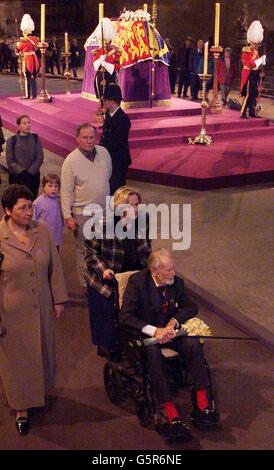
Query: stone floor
(231,252)
(230,259)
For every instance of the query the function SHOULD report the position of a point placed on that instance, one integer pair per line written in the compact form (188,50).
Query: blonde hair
(156,256)
(122,195)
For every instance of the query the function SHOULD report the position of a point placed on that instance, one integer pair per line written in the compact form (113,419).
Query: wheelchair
(127,379)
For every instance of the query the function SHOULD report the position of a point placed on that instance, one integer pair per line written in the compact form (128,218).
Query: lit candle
(205,58)
(145,7)
(43,21)
(101,11)
(217,24)
(66,43)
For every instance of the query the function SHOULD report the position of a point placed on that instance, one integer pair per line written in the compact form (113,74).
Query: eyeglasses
(24,208)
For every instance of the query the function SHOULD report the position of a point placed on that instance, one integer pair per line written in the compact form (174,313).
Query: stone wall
(176,19)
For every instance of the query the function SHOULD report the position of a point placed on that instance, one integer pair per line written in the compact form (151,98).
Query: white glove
(97,63)
(259,62)
(264,59)
(109,67)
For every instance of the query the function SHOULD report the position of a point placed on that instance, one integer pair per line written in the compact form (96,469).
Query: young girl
(47,207)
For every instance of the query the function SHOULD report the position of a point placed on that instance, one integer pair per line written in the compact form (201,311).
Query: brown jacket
(31,280)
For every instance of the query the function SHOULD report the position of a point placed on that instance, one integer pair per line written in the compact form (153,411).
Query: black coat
(142,303)
(115,138)
(184,61)
(2,138)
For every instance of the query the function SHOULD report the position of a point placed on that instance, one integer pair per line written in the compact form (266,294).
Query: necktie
(164,300)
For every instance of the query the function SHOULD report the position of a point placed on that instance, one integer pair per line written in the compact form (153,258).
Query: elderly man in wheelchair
(154,306)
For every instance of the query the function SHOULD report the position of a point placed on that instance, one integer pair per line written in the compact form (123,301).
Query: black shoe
(175,430)
(108,353)
(103,352)
(22,425)
(255,116)
(244,116)
(206,418)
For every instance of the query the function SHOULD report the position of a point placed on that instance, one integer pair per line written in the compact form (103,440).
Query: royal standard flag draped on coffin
(139,41)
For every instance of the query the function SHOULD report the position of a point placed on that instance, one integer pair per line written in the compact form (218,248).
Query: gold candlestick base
(67,74)
(216,106)
(202,138)
(44,96)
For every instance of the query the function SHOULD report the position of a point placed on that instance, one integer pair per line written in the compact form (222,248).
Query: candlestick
(66,43)
(101,11)
(43,21)
(202,138)
(217,24)
(66,56)
(145,7)
(205,58)
(44,96)
(215,105)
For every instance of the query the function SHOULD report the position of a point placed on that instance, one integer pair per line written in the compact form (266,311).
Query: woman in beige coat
(32,296)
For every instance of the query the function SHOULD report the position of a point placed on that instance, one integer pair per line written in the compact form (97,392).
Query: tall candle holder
(44,96)
(152,93)
(215,106)
(202,138)
(67,74)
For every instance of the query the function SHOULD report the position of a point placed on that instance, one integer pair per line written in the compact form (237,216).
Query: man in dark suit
(115,136)
(184,64)
(155,304)
(196,58)
(54,55)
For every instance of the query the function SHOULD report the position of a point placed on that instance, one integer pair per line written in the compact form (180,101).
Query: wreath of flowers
(137,15)
(196,327)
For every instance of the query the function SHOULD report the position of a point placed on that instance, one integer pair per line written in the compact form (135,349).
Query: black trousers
(54,60)
(195,86)
(192,355)
(99,77)
(172,72)
(184,81)
(102,319)
(250,93)
(118,179)
(30,181)
(31,85)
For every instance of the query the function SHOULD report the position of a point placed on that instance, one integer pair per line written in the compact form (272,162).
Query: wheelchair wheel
(114,385)
(145,413)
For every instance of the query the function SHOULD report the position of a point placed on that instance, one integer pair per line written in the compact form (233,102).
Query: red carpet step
(241,153)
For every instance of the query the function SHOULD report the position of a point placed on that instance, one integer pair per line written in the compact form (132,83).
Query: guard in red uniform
(27,45)
(106,59)
(106,62)
(251,70)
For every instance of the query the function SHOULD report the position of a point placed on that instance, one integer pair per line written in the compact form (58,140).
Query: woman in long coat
(32,295)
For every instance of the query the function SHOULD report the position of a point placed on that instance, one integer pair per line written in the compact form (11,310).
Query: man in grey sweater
(84,180)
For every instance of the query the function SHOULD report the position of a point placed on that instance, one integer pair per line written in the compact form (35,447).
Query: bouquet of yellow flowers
(196,327)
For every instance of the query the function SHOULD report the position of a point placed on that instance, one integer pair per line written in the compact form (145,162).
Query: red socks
(171,411)
(202,401)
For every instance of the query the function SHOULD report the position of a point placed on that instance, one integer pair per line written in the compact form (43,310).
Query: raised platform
(241,153)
